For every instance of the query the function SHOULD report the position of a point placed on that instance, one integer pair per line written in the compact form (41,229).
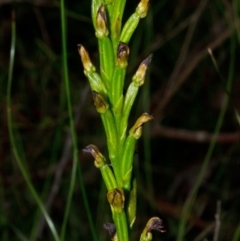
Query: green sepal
(126,179)
(132,204)
(106,60)
(154,223)
(118,110)
(127,161)
(96,83)
(117,84)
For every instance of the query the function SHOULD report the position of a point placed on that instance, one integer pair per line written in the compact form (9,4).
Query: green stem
(86,205)
(74,138)
(121,226)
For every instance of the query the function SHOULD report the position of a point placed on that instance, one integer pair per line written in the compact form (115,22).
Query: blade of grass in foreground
(12,138)
(74,138)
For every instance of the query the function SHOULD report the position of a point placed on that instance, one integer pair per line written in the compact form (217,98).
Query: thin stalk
(73,133)
(12,138)
(192,195)
(19,234)
(56,146)
(86,204)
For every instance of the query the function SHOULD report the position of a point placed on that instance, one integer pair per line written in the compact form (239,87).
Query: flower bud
(139,77)
(154,223)
(142,8)
(97,155)
(111,228)
(136,130)
(87,64)
(101,22)
(122,55)
(101,105)
(116,199)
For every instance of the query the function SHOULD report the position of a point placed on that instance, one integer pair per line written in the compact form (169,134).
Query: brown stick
(194,136)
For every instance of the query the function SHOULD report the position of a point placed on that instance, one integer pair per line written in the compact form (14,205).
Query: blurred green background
(184,92)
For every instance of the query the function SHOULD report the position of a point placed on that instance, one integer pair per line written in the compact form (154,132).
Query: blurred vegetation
(184,92)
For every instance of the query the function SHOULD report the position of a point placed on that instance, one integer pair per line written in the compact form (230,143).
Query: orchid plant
(114,108)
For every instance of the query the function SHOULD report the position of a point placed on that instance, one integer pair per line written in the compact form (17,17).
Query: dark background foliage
(183,91)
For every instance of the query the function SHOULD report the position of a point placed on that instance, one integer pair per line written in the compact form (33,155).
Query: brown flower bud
(101,105)
(87,64)
(101,22)
(116,199)
(97,155)
(122,55)
(139,77)
(136,130)
(154,223)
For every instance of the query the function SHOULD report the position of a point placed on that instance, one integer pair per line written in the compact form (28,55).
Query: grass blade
(12,138)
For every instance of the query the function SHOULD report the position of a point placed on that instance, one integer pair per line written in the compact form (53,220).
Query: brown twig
(190,64)
(185,46)
(194,136)
(170,209)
